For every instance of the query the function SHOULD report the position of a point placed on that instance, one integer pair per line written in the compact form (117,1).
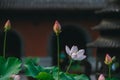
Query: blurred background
(92,25)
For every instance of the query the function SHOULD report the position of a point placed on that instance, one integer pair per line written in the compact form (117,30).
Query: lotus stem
(58,57)
(4,44)
(69,66)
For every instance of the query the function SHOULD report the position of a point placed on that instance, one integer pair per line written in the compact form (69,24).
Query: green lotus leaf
(81,77)
(9,67)
(44,76)
(62,76)
(31,69)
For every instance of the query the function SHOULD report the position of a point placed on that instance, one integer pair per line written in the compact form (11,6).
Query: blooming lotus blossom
(7,25)
(75,53)
(108,59)
(101,77)
(57,27)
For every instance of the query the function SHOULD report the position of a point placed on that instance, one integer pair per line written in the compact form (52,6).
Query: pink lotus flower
(7,25)
(15,77)
(75,53)
(57,27)
(101,77)
(108,59)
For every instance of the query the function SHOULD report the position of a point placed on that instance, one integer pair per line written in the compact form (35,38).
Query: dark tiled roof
(51,4)
(110,9)
(108,25)
(112,6)
(105,43)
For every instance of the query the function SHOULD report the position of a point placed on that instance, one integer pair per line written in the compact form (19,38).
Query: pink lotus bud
(108,59)
(101,77)
(16,77)
(57,27)
(7,25)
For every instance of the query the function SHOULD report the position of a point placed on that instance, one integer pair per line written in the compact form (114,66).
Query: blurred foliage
(51,73)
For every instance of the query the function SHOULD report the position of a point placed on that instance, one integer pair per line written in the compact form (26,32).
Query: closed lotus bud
(108,59)
(57,27)
(7,25)
(101,77)
(15,77)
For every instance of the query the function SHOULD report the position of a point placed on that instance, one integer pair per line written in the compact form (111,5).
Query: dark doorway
(14,45)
